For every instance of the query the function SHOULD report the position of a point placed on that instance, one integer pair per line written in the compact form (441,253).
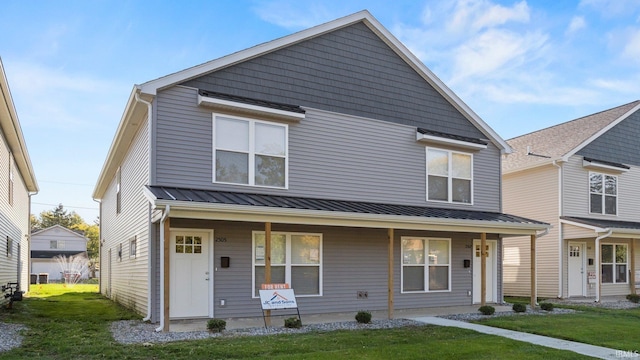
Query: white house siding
(576,193)
(353,259)
(14,222)
(330,156)
(532,194)
(127,279)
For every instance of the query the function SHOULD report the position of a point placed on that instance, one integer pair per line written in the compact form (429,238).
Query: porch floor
(277,321)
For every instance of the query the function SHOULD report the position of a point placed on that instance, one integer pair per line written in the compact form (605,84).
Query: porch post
(483,269)
(632,275)
(167,274)
(390,279)
(267,263)
(534,295)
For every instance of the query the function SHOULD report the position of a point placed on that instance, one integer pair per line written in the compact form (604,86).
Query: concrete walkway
(580,348)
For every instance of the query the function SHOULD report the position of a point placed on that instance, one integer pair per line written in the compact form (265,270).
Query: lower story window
(614,263)
(296,259)
(426,264)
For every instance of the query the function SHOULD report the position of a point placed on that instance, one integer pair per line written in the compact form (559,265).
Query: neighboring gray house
(17,184)
(54,241)
(371,182)
(582,177)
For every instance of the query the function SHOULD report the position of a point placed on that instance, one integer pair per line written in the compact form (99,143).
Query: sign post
(277,297)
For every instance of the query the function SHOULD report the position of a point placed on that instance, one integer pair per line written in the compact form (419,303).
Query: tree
(58,216)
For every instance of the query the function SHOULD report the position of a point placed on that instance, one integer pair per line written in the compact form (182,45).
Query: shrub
(216,325)
(363,317)
(635,298)
(293,323)
(519,308)
(546,306)
(487,310)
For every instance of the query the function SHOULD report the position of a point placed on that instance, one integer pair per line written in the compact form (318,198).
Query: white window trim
(288,263)
(133,244)
(603,193)
(614,263)
(9,247)
(426,266)
(449,177)
(251,151)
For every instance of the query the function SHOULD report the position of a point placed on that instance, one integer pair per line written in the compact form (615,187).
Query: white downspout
(598,263)
(149,277)
(165,215)
(560,238)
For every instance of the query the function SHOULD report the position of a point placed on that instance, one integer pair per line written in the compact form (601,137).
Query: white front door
(491,274)
(191,278)
(577,274)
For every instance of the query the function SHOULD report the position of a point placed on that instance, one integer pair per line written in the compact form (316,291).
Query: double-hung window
(449,176)
(426,264)
(250,152)
(296,259)
(603,193)
(614,263)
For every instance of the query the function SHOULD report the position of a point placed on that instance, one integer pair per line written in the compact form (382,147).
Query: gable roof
(148,90)
(43,232)
(13,133)
(559,142)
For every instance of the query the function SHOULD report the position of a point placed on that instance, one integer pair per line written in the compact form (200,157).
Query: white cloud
(475,15)
(611,8)
(293,15)
(631,50)
(577,23)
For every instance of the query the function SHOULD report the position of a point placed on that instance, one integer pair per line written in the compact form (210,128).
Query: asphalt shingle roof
(605,224)
(291,202)
(557,141)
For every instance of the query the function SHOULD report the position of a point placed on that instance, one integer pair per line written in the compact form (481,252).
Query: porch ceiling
(224,205)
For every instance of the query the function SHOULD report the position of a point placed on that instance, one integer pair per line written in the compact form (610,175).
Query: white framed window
(614,260)
(119,254)
(133,247)
(296,259)
(426,264)
(603,194)
(11,180)
(56,244)
(118,191)
(449,176)
(250,152)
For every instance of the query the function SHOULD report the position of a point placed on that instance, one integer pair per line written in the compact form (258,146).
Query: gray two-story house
(331,160)
(583,178)
(17,184)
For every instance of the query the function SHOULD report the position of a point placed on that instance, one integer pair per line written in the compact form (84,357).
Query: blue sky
(521,65)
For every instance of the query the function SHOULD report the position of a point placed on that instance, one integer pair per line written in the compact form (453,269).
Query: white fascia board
(261,110)
(198,210)
(596,229)
(450,142)
(599,133)
(532,166)
(599,166)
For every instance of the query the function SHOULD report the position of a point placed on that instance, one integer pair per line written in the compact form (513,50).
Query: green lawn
(615,329)
(73,323)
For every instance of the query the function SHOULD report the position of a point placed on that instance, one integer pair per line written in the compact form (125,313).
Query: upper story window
(250,152)
(11,180)
(56,244)
(118,191)
(449,176)
(603,194)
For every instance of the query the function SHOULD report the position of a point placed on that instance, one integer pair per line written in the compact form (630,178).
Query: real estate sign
(274,299)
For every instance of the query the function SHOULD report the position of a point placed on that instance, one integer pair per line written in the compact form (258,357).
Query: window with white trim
(614,263)
(56,244)
(133,247)
(449,176)
(603,194)
(9,247)
(296,259)
(11,180)
(118,191)
(250,152)
(426,264)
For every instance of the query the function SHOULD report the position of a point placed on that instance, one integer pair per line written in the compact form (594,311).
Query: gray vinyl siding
(360,253)
(576,192)
(532,194)
(129,276)
(619,144)
(331,156)
(14,222)
(349,71)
